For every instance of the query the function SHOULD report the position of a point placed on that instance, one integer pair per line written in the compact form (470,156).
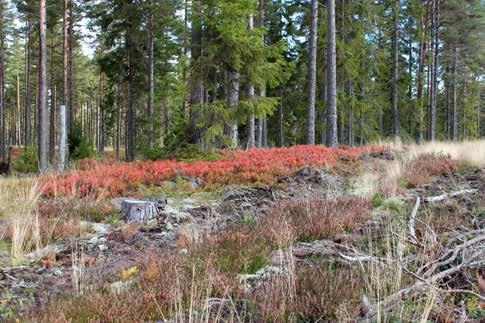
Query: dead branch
(412,220)
(445,196)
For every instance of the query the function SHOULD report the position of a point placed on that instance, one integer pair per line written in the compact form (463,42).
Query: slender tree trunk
(151,83)
(312,73)
(42,104)
(64,107)
(52,137)
(27,109)
(102,123)
(331,76)
(434,77)
(17,112)
(251,131)
(2,75)
(118,121)
(71,80)
(281,134)
(395,70)
(464,109)
(479,116)
(261,131)
(454,99)
(197,85)
(232,103)
(351,118)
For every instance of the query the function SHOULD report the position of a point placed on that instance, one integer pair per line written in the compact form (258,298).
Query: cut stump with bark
(138,211)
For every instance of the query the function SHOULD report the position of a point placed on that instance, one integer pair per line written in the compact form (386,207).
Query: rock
(57,272)
(140,211)
(177,215)
(98,228)
(103,247)
(169,226)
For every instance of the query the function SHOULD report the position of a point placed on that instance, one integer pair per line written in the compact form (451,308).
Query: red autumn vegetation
(110,178)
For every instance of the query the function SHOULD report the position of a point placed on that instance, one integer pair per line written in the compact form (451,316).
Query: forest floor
(377,234)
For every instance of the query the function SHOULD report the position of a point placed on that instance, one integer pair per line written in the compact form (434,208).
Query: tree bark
(2,75)
(395,70)
(151,83)
(52,133)
(118,121)
(42,104)
(262,128)
(281,134)
(312,73)
(27,109)
(434,76)
(251,131)
(71,80)
(197,85)
(331,76)
(454,99)
(102,123)
(232,103)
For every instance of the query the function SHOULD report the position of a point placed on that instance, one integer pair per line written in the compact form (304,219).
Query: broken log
(442,197)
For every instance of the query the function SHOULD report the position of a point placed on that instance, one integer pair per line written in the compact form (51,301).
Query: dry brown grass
(421,169)
(311,220)
(18,203)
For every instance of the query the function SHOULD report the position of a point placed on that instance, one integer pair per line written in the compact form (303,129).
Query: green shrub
(154,153)
(27,162)
(79,145)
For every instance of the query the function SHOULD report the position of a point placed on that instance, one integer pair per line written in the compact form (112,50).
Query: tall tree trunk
(281,133)
(102,123)
(261,131)
(71,79)
(331,76)
(151,83)
(395,70)
(312,74)
(27,109)
(463,103)
(118,121)
(351,118)
(434,76)
(251,131)
(64,108)
(52,133)
(18,134)
(197,85)
(42,104)
(232,103)
(2,75)
(454,99)
(479,116)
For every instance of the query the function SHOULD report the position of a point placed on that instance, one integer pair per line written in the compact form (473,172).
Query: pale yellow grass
(18,204)
(470,152)
(387,175)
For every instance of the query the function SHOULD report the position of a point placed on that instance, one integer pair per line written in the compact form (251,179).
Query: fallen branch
(439,198)
(412,220)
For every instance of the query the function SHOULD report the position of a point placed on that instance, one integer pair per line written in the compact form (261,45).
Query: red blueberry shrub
(110,178)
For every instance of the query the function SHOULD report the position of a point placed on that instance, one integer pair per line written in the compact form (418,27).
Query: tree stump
(138,211)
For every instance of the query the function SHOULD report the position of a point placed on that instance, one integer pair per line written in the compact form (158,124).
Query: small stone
(183,251)
(57,272)
(169,226)
(103,247)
